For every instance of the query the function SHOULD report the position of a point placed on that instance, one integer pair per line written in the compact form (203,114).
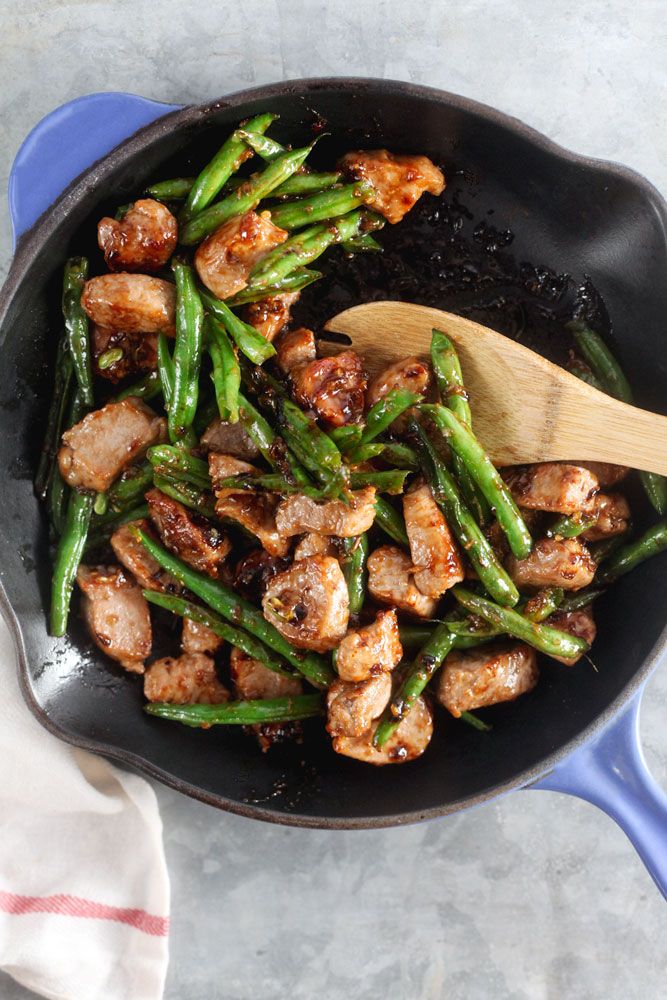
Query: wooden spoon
(525,409)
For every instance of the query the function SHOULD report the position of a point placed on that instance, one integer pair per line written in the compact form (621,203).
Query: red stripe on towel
(75,906)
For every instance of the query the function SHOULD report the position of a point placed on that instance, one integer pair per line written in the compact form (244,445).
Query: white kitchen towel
(84,890)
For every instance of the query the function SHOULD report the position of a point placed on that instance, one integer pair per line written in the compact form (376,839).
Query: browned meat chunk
(189,679)
(141,564)
(399,181)
(486,676)
(353,707)
(139,352)
(116,613)
(371,649)
(198,638)
(270,316)
(192,537)
(553,486)
(435,556)
(391,581)
(296,347)
(135,303)
(298,514)
(313,544)
(410,373)
(605,473)
(254,570)
(231,439)
(409,741)
(554,562)
(333,387)
(226,257)
(254,511)
(143,240)
(613,514)
(253,680)
(309,603)
(579,623)
(223,466)
(96,450)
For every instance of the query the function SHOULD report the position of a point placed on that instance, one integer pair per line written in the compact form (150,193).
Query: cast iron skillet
(567,214)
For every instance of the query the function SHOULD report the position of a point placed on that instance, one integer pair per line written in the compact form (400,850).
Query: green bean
(67,559)
(226,374)
(362,244)
(176,462)
(271,447)
(400,455)
(226,161)
(293,282)
(580,369)
(474,542)
(385,411)
(464,443)
(571,525)
(240,713)
(365,453)
(239,611)
(261,144)
(187,352)
(391,522)
(354,570)
(391,482)
(207,411)
(245,198)
(346,437)
(100,505)
(318,207)
(626,558)
(306,183)
(64,372)
(414,636)
(101,531)
(122,211)
(310,445)
(602,550)
(248,340)
(58,492)
(132,484)
(449,378)
(186,493)
(307,245)
(235,636)
(165,367)
(76,325)
(544,638)
(109,358)
(476,723)
(146,388)
(577,599)
(174,189)
(416,677)
(543,604)
(610,374)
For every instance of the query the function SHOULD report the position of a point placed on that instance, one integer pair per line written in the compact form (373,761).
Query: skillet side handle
(68,141)
(611,773)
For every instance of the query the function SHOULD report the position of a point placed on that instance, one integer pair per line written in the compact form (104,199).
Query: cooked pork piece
(485,676)
(410,373)
(136,558)
(135,303)
(579,623)
(230,439)
(270,316)
(554,562)
(254,570)
(198,638)
(552,486)
(398,181)
(352,707)
(605,473)
(296,347)
(297,514)
(143,240)
(253,680)
(188,679)
(226,257)
(313,544)
(139,352)
(223,466)
(116,613)
(309,603)
(391,581)
(254,511)
(192,537)
(333,387)
(613,514)
(368,650)
(96,450)
(409,741)
(435,555)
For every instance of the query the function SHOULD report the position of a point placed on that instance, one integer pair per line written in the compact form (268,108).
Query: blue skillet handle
(65,143)
(611,772)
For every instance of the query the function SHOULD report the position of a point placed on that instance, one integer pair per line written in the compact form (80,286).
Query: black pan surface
(524,234)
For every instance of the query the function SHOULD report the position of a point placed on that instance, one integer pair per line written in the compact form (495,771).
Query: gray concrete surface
(536,897)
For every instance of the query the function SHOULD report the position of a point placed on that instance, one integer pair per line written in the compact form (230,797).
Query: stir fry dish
(330,545)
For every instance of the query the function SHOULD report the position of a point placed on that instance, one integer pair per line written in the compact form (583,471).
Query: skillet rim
(29,245)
